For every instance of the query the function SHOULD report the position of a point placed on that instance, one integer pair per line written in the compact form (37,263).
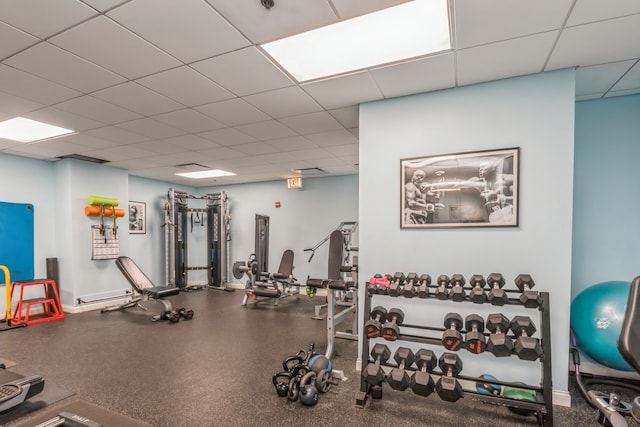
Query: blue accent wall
(606,224)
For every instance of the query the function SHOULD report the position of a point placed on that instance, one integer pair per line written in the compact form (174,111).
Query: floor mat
(7,363)
(86,410)
(48,396)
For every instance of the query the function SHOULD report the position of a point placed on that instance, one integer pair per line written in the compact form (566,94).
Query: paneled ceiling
(164,86)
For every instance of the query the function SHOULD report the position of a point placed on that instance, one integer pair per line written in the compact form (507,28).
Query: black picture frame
(460,190)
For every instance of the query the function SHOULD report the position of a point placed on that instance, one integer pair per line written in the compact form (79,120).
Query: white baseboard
(561,398)
(73,309)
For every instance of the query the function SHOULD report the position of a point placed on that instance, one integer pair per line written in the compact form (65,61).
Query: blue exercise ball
(596,321)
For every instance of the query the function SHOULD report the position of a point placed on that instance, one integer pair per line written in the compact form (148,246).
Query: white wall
(535,113)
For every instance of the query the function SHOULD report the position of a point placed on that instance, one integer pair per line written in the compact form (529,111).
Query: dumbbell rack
(543,408)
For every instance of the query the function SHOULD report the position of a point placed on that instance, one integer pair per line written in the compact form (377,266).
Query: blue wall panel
(16,239)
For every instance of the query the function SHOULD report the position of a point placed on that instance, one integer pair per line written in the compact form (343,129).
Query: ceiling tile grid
(152,84)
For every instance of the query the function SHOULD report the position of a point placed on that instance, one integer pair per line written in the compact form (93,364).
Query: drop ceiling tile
(600,78)
(44,18)
(135,164)
(343,150)
(285,102)
(115,48)
(215,154)
(243,72)
(233,112)
(613,93)
(586,11)
(14,40)
(344,91)
(52,63)
(138,99)
(32,154)
(581,45)
(65,119)
(150,128)
(588,97)
(347,116)
(187,86)
(228,136)
(177,159)
(269,129)
(191,142)
(242,162)
(190,30)
(276,158)
(630,81)
(88,142)
(488,21)
(97,109)
(158,147)
(312,154)
(327,139)
(255,148)
(104,5)
(500,60)
(292,143)
(117,135)
(351,8)
(24,85)
(189,120)
(127,152)
(49,149)
(306,124)
(287,17)
(14,105)
(422,75)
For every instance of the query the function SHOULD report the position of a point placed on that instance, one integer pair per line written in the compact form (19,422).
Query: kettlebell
(281,383)
(308,390)
(294,389)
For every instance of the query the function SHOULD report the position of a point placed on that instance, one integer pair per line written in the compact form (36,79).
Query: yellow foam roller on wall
(99,201)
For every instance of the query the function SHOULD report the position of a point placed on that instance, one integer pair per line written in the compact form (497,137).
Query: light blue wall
(535,113)
(606,230)
(59,192)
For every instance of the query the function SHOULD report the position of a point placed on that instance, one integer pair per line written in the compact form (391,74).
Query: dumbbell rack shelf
(543,408)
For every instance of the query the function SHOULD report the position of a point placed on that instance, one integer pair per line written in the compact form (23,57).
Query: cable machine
(217,215)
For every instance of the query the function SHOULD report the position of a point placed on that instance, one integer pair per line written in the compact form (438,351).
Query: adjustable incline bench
(143,288)
(277,285)
(337,290)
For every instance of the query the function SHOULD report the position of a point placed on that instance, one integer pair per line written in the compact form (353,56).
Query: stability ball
(596,321)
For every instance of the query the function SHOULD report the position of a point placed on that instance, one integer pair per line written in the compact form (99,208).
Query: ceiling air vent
(193,166)
(83,158)
(309,171)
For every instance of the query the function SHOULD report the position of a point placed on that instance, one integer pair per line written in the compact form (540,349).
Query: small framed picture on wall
(474,189)
(137,218)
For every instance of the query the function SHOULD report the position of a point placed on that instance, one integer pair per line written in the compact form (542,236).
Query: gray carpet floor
(216,369)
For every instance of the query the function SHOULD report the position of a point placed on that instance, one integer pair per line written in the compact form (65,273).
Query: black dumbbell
(526,347)
(373,374)
(499,343)
(373,326)
(452,337)
(185,314)
(497,295)
(442,291)
(390,330)
(421,383)
(396,286)
(448,387)
(171,316)
(423,285)
(528,298)
(399,378)
(410,285)
(457,292)
(474,339)
(478,294)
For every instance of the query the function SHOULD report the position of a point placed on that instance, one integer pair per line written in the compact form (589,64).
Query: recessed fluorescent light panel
(27,130)
(410,30)
(214,173)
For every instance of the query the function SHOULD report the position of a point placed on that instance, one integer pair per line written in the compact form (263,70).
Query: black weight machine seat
(143,287)
(280,284)
(609,407)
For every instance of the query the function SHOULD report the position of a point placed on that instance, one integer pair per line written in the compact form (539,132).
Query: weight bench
(342,295)
(143,288)
(276,286)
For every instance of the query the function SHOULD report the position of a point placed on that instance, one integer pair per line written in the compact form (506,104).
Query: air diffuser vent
(83,158)
(309,171)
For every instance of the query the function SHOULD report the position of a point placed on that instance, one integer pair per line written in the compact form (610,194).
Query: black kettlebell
(294,388)
(281,383)
(308,390)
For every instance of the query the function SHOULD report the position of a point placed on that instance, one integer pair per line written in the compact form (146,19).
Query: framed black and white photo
(137,218)
(473,189)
